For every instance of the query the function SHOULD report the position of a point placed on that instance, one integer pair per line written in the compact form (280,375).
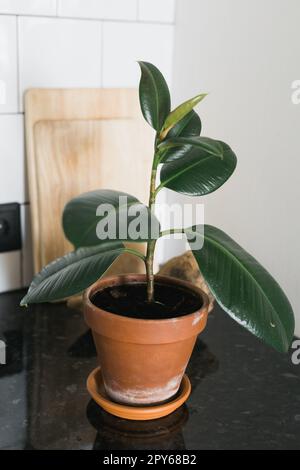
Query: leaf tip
(23,302)
(141,63)
(200,97)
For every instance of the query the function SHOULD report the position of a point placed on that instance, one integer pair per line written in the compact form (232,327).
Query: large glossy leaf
(82,221)
(154,95)
(244,289)
(72,273)
(199,172)
(189,126)
(179,113)
(203,143)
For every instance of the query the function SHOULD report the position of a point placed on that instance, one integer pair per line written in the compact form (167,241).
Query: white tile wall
(59,53)
(156,10)
(102,9)
(67,43)
(28,7)
(124,44)
(12,159)
(8,65)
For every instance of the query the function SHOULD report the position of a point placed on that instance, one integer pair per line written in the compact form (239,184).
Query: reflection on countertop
(244,395)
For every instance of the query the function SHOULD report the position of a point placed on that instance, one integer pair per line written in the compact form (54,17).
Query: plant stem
(149,270)
(151,243)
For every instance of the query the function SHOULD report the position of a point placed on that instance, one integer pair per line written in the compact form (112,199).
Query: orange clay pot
(143,361)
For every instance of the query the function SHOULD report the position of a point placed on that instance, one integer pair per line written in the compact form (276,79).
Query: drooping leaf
(189,126)
(72,273)
(179,113)
(244,289)
(83,216)
(154,95)
(199,172)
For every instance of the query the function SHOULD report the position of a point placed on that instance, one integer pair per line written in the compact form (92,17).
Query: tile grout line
(104,20)
(17,113)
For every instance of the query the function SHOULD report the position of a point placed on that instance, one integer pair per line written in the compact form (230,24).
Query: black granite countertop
(245,395)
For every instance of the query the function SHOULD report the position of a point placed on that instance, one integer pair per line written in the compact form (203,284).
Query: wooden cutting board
(77,141)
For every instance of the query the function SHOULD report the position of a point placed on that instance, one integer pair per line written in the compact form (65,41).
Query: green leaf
(199,172)
(80,219)
(189,126)
(244,289)
(179,113)
(154,95)
(212,146)
(72,273)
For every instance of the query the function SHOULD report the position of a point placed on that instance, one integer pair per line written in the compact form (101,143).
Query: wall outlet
(10,227)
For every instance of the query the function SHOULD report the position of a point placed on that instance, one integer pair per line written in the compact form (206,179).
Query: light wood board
(77,141)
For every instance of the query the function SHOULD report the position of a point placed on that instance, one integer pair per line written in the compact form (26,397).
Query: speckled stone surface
(245,395)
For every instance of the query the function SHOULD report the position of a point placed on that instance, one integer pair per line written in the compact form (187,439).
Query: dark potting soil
(130,300)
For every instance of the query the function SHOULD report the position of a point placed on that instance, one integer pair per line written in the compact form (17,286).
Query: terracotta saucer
(96,389)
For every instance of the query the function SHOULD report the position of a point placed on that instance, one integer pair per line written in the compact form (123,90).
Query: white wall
(245,53)
(67,43)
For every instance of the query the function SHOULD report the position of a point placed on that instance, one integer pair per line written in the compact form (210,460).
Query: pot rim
(134,278)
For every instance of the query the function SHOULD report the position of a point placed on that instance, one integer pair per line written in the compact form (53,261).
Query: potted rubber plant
(145,326)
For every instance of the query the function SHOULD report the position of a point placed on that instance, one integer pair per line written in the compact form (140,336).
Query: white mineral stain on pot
(145,395)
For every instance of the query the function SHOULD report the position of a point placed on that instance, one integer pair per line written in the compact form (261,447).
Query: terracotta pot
(143,361)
